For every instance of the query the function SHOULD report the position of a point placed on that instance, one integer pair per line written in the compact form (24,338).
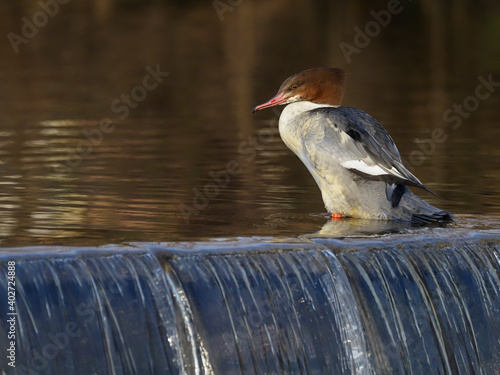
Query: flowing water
(362,306)
(186,158)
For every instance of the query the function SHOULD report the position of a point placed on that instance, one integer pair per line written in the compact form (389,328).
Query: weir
(395,304)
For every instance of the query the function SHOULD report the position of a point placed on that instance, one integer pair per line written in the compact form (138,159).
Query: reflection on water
(189,159)
(351,227)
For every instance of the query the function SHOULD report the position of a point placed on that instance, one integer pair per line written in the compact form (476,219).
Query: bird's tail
(424,213)
(438,216)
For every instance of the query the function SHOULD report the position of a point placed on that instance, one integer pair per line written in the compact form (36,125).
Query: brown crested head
(318,85)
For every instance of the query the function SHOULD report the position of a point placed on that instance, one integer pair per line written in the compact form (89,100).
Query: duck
(350,155)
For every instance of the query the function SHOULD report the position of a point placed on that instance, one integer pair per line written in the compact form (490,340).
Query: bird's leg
(336,216)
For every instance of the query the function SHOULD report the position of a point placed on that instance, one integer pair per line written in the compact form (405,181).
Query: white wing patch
(372,170)
(360,165)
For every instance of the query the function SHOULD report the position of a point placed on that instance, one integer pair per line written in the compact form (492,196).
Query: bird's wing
(374,128)
(352,138)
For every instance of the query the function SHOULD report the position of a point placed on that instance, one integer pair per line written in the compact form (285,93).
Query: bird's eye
(294,86)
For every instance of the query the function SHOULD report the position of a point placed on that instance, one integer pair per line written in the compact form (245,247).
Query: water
(418,317)
(187,160)
(92,314)
(260,306)
(131,184)
(258,329)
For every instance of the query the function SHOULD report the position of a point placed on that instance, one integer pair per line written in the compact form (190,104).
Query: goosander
(350,155)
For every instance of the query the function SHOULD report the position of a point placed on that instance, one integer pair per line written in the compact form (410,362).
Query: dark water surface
(186,158)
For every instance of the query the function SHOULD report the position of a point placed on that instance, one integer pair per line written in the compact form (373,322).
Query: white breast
(291,131)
